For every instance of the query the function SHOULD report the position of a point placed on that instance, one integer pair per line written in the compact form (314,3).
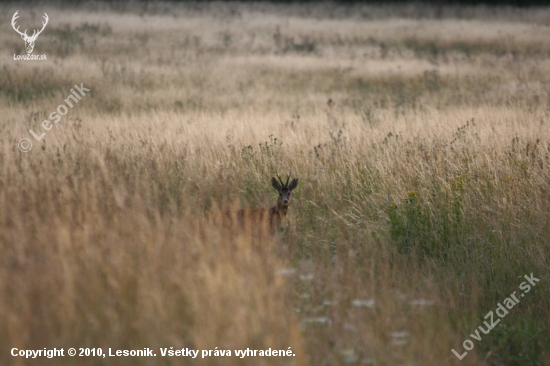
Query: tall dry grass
(419,135)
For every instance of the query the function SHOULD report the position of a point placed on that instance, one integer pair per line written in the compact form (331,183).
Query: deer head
(29,41)
(284,189)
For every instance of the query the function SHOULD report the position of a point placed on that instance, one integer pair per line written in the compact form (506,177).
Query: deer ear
(293,184)
(275,183)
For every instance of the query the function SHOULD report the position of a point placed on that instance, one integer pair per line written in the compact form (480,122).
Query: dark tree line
(516,3)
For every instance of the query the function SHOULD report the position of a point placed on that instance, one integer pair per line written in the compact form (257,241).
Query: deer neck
(279,210)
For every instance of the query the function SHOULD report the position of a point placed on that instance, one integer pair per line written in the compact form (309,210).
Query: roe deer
(274,215)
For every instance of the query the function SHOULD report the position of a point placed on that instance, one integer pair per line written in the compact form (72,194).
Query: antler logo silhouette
(29,41)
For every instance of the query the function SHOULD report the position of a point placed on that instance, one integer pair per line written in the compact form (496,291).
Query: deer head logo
(29,41)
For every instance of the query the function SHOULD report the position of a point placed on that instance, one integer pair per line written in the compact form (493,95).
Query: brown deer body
(257,219)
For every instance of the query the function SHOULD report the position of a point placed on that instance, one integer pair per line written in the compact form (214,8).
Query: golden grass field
(420,136)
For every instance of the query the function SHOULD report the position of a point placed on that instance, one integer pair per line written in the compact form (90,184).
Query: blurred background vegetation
(419,133)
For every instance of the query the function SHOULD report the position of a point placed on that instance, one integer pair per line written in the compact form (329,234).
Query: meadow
(420,135)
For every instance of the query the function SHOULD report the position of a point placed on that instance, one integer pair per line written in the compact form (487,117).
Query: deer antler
(287,179)
(15,16)
(34,34)
(280,180)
